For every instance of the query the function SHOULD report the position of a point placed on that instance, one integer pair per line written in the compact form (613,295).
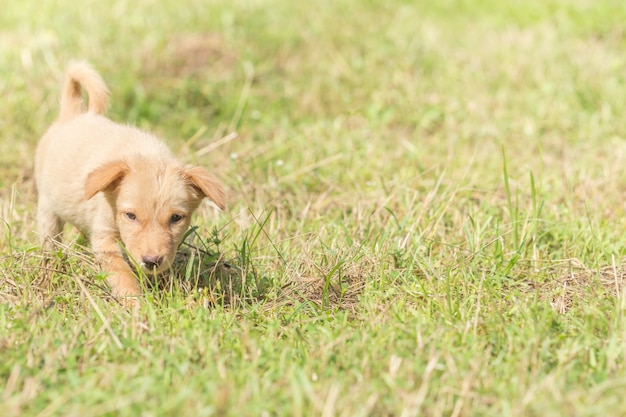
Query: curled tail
(81,75)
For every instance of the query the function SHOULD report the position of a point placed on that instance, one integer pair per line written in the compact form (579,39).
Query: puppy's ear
(105,178)
(206,184)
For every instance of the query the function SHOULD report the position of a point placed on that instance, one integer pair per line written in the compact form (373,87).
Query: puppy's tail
(82,75)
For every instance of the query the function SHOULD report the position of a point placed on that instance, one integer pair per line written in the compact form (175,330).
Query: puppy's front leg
(123,281)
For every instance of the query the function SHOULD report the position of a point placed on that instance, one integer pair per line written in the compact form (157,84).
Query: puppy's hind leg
(49,225)
(50,228)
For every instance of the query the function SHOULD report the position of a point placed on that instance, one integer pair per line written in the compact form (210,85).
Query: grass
(425,217)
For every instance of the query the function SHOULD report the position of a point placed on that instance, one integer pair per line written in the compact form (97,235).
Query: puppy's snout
(151,261)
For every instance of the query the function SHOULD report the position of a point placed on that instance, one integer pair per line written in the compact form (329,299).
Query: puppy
(120,186)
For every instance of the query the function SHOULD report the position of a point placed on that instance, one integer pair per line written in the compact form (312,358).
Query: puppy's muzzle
(151,262)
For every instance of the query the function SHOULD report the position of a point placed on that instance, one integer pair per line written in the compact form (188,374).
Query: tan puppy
(120,186)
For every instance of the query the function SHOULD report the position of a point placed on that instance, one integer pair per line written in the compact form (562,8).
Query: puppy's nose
(151,261)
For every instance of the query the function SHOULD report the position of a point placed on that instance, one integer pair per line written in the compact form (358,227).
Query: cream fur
(119,185)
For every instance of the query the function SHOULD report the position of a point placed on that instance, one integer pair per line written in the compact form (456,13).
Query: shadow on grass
(200,273)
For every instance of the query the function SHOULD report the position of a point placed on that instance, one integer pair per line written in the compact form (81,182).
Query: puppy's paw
(131,303)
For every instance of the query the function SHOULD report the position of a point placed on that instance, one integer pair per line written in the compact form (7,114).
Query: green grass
(426,210)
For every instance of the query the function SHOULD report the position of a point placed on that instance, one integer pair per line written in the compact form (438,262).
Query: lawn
(425,210)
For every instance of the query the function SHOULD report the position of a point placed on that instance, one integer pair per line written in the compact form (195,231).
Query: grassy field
(425,218)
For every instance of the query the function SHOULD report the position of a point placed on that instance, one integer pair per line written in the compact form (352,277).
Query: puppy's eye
(175,218)
(130,215)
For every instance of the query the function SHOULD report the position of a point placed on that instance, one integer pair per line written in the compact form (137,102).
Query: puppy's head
(152,201)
